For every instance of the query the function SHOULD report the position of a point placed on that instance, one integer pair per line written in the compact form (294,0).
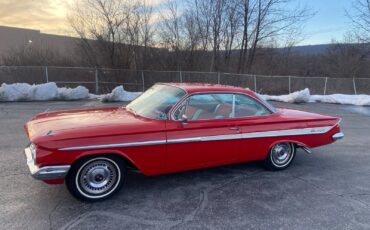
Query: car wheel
(96,178)
(280,156)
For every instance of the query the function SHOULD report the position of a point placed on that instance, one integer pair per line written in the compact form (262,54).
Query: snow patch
(301,96)
(345,99)
(304,96)
(50,91)
(42,92)
(77,93)
(119,94)
(14,92)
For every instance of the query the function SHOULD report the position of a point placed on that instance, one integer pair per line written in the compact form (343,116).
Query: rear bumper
(47,172)
(338,136)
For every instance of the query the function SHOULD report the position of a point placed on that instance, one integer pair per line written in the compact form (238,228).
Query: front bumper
(338,136)
(47,172)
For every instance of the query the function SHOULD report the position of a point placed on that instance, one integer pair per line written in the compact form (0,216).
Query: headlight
(33,151)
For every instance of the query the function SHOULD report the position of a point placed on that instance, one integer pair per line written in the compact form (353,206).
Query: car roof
(206,87)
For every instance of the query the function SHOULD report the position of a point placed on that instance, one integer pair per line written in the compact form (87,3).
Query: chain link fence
(103,80)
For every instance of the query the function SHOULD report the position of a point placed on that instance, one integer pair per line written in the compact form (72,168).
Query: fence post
(142,80)
(46,74)
(180,76)
(289,84)
(326,81)
(354,85)
(96,81)
(255,83)
(218,78)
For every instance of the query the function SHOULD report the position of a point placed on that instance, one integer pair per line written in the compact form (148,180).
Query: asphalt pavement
(328,189)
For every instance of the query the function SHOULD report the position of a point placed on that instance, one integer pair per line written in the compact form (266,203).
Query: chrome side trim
(338,136)
(276,133)
(47,172)
(207,138)
(289,132)
(142,143)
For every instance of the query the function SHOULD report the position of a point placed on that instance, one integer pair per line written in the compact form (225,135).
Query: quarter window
(247,107)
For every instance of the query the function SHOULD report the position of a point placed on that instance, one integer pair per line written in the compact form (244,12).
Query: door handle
(234,128)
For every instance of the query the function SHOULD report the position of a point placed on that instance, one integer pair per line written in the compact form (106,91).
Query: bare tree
(147,31)
(138,29)
(99,20)
(230,30)
(347,60)
(203,18)
(247,9)
(113,33)
(266,19)
(218,15)
(171,31)
(192,40)
(360,18)
(35,55)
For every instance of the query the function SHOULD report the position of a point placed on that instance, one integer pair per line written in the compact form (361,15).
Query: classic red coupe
(171,127)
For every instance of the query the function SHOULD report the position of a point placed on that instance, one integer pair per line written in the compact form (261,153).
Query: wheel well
(129,164)
(298,145)
(294,143)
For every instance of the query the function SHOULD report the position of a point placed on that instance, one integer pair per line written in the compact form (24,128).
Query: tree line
(238,36)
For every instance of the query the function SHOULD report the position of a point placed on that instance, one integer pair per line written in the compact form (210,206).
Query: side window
(201,99)
(206,107)
(246,107)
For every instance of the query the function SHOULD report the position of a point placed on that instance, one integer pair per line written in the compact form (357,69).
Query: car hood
(72,124)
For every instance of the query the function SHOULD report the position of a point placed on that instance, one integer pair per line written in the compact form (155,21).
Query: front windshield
(156,102)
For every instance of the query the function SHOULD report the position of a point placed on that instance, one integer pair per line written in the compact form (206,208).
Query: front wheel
(280,156)
(96,178)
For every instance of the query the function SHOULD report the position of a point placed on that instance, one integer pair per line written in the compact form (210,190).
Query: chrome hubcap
(98,177)
(281,153)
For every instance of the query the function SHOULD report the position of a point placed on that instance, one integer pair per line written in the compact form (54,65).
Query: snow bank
(304,96)
(50,91)
(77,93)
(41,92)
(119,94)
(296,97)
(344,99)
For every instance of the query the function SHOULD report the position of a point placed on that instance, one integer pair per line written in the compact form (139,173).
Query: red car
(169,128)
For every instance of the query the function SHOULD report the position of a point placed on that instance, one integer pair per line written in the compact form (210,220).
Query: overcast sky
(49,16)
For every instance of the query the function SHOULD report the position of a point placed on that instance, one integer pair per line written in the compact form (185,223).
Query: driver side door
(208,137)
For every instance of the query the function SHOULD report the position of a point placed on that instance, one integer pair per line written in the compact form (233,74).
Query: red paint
(116,125)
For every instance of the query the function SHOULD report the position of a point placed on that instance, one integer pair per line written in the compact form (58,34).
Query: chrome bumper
(338,136)
(47,172)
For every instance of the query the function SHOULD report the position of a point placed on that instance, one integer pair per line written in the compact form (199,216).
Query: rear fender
(295,142)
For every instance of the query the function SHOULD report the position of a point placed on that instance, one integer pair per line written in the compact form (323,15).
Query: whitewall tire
(96,178)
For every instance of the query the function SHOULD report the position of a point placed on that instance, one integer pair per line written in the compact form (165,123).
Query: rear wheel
(96,178)
(280,156)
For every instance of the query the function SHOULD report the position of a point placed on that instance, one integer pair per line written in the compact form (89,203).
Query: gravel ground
(328,189)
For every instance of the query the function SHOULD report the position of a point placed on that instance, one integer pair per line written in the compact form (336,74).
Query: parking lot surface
(328,189)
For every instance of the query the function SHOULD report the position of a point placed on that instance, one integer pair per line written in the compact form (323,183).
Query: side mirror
(183,119)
